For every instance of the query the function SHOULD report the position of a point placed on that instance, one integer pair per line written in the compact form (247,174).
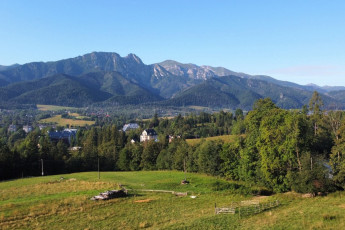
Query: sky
(298,41)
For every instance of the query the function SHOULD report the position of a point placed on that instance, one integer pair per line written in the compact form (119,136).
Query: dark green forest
(281,150)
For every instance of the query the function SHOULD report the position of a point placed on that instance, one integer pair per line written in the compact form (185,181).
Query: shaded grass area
(54,203)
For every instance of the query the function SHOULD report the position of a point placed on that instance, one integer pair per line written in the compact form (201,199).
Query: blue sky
(299,41)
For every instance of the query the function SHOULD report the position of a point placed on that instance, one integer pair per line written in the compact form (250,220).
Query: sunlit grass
(66,121)
(74,114)
(53,108)
(198,107)
(53,203)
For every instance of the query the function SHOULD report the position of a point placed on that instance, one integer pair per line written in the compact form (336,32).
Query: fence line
(246,207)
(163,191)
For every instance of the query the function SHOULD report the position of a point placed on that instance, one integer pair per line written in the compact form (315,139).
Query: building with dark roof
(148,134)
(12,128)
(65,135)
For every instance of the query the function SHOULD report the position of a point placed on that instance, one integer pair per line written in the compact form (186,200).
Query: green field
(203,108)
(58,120)
(198,107)
(224,138)
(51,203)
(54,108)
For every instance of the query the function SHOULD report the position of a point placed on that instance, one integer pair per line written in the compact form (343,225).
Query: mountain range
(108,79)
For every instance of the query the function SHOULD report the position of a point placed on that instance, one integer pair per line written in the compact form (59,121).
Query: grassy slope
(53,108)
(48,203)
(66,121)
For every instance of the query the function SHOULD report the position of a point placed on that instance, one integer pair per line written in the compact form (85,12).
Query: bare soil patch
(143,201)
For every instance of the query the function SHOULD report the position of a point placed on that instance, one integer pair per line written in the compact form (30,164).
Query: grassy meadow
(53,108)
(58,120)
(53,203)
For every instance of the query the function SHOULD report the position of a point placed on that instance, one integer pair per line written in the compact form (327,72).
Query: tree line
(301,150)
(21,153)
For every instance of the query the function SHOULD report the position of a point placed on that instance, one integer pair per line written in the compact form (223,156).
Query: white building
(148,134)
(27,128)
(130,126)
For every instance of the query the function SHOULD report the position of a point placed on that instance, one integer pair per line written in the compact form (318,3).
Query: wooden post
(42,167)
(184,166)
(99,175)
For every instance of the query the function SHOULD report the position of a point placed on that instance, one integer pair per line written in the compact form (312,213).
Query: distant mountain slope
(4,67)
(333,88)
(324,89)
(338,95)
(236,92)
(204,94)
(66,90)
(56,90)
(193,71)
(130,66)
(153,77)
(188,70)
(108,78)
(123,91)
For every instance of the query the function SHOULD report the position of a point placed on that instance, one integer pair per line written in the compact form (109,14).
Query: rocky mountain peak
(187,70)
(135,58)
(159,71)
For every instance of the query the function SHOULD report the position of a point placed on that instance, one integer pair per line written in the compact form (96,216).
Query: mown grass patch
(54,108)
(74,114)
(198,107)
(58,120)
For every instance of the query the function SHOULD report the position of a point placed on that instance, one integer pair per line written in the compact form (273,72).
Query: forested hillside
(80,91)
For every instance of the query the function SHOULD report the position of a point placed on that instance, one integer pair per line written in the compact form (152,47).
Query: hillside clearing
(54,108)
(54,203)
(58,120)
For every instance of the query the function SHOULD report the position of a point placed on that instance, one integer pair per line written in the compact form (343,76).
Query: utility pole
(99,175)
(184,166)
(42,167)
